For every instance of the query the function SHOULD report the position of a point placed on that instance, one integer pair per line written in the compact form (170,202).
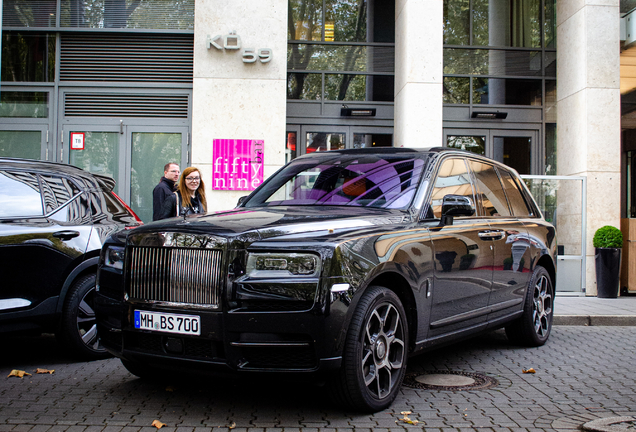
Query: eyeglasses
(193,179)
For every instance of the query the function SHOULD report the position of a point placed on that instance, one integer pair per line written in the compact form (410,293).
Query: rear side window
(61,200)
(453,178)
(515,198)
(19,194)
(489,188)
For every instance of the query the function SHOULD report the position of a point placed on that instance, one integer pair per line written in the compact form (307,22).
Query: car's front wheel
(534,326)
(78,329)
(375,354)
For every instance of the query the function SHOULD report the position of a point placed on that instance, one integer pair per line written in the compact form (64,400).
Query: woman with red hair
(189,197)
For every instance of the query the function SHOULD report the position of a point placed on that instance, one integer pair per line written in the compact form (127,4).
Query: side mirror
(241,200)
(456,205)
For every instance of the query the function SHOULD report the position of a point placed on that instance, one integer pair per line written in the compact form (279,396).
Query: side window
(58,193)
(515,198)
(490,190)
(453,178)
(19,194)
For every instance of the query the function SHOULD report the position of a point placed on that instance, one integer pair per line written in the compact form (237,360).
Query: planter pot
(608,266)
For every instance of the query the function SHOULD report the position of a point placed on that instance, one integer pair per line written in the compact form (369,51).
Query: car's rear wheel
(534,326)
(375,354)
(78,329)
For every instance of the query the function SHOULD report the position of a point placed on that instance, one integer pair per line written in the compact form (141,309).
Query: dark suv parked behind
(53,220)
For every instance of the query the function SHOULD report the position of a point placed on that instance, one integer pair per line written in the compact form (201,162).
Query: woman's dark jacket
(169,208)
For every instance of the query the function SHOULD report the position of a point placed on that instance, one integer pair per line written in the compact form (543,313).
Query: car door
(509,239)
(462,258)
(41,234)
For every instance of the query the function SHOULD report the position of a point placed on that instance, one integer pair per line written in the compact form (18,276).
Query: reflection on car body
(343,263)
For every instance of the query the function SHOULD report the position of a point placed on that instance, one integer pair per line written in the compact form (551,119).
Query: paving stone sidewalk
(582,373)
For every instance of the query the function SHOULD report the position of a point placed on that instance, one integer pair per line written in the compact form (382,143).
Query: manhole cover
(449,380)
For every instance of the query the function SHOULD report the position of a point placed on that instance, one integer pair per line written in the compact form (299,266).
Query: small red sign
(77,140)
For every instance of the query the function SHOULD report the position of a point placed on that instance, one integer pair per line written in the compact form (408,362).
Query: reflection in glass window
(515,23)
(324,141)
(21,144)
(471,143)
(24,104)
(515,198)
(32,13)
(305,20)
(349,58)
(344,180)
(303,86)
(490,189)
(290,147)
(492,62)
(19,194)
(456,90)
(345,20)
(501,91)
(452,179)
(456,22)
(143,14)
(550,149)
(28,57)
(365,140)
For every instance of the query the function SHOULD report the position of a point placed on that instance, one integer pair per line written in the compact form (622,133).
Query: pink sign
(237,164)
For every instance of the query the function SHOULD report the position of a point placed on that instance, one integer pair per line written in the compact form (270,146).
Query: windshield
(380,181)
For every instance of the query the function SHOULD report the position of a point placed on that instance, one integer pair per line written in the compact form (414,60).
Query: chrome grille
(175,275)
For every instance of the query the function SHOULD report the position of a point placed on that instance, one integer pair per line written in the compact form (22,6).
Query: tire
(533,327)
(78,328)
(375,353)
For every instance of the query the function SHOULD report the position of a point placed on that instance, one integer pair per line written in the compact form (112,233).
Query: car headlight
(114,257)
(275,265)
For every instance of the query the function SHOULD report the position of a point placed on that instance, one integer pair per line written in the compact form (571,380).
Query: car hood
(269,222)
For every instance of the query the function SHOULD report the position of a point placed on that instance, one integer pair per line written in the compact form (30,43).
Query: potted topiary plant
(608,241)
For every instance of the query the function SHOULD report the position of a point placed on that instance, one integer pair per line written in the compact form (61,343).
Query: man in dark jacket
(165,188)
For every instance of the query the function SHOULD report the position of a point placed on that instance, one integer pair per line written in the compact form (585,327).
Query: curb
(594,320)
(610,424)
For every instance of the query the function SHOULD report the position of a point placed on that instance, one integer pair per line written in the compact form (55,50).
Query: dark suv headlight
(114,257)
(276,265)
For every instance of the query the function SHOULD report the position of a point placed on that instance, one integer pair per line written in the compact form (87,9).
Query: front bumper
(289,341)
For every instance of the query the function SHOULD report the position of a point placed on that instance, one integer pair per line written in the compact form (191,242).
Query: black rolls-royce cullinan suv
(53,220)
(345,262)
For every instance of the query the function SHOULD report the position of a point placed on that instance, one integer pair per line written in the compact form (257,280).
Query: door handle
(491,234)
(66,235)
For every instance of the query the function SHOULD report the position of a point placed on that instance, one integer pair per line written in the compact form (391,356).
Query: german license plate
(168,323)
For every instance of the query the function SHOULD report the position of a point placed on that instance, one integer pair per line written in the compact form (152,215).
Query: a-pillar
(588,113)
(418,73)
(234,99)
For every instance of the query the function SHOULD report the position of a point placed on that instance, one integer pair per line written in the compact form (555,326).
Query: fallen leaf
(18,373)
(232,426)
(44,371)
(531,370)
(405,412)
(170,388)
(158,424)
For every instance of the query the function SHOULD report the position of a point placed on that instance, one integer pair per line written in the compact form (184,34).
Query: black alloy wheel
(78,329)
(534,326)
(375,354)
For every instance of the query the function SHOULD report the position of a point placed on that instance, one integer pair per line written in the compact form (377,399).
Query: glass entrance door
(515,148)
(133,155)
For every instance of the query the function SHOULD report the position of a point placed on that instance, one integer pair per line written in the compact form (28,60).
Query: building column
(588,114)
(418,73)
(233,98)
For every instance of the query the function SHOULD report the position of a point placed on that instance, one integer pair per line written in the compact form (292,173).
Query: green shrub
(608,237)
